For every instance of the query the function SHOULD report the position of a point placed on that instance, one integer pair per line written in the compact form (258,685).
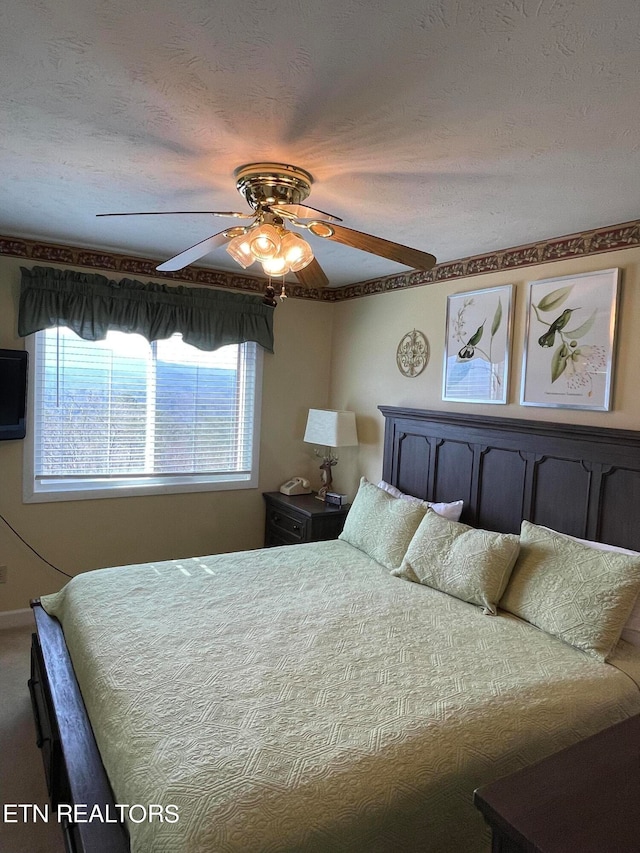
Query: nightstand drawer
(292,528)
(292,519)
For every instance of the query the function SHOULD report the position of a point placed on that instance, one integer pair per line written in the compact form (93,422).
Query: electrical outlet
(3,574)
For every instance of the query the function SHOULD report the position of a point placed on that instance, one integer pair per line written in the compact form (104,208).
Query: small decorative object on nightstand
(335,498)
(294,519)
(582,799)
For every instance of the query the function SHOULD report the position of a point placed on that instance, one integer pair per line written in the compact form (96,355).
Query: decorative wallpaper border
(607,239)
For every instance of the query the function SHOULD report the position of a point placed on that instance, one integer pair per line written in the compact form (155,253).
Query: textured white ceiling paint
(454,127)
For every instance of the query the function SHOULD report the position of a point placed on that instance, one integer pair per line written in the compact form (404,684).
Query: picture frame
(477,345)
(569,347)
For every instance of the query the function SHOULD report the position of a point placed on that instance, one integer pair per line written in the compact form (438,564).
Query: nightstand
(294,519)
(583,799)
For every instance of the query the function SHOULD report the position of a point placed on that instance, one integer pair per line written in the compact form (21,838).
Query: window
(122,416)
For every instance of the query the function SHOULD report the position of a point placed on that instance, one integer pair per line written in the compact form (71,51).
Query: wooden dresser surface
(584,799)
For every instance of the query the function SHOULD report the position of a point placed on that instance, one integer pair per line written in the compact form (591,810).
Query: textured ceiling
(453,127)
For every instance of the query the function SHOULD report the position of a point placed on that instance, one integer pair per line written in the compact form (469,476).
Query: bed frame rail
(72,763)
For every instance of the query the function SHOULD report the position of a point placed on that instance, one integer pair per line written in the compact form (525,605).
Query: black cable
(44,560)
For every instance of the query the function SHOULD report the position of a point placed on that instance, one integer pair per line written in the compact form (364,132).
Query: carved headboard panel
(584,481)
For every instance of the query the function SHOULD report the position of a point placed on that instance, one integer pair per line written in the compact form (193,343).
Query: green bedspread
(303,699)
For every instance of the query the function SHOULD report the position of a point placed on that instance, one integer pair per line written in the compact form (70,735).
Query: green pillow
(380,525)
(462,561)
(581,595)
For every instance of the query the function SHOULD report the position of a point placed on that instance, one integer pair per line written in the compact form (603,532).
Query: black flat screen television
(13,393)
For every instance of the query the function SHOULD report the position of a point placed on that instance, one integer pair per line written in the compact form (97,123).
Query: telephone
(296,486)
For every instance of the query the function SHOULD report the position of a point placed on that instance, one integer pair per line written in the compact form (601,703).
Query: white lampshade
(331,428)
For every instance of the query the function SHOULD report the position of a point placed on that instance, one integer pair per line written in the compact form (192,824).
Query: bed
(306,698)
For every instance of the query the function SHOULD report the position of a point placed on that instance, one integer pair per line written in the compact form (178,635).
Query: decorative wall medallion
(412,355)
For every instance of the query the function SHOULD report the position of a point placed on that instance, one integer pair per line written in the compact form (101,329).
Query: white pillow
(631,630)
(452,510)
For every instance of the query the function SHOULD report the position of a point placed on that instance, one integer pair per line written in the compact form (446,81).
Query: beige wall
(80,535)
(342,355)
(367,331)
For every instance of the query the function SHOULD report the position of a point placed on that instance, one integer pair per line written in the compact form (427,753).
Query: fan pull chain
(269,295)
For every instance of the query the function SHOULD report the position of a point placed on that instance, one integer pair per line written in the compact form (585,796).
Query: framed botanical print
(570,338)
(477,344)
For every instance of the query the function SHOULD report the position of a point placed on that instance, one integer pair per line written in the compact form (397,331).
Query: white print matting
(570,339)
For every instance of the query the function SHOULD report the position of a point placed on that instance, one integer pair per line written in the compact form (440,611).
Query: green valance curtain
(92,305)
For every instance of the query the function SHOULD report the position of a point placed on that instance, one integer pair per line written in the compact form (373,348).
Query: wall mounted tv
(13,393)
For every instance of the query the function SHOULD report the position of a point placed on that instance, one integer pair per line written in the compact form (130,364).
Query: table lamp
(330,429)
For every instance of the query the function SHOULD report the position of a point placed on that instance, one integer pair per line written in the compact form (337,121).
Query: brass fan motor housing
(266,184)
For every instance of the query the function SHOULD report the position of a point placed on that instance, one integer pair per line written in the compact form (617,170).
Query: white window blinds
(125,412)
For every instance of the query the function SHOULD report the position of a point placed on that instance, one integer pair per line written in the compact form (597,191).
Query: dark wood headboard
(584,481)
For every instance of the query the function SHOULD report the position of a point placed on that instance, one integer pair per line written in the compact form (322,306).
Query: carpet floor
(21,770)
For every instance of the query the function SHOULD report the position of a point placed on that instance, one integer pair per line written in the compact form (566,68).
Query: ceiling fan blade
(413,258)
(312,275)
(171,212)
(199,250)
(301,211)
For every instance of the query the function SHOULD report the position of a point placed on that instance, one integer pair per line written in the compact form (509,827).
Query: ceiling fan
(275,192)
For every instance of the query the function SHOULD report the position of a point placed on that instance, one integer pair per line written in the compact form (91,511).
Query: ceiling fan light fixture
(240,251)
(297,251)
(288,251)
(265,242)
